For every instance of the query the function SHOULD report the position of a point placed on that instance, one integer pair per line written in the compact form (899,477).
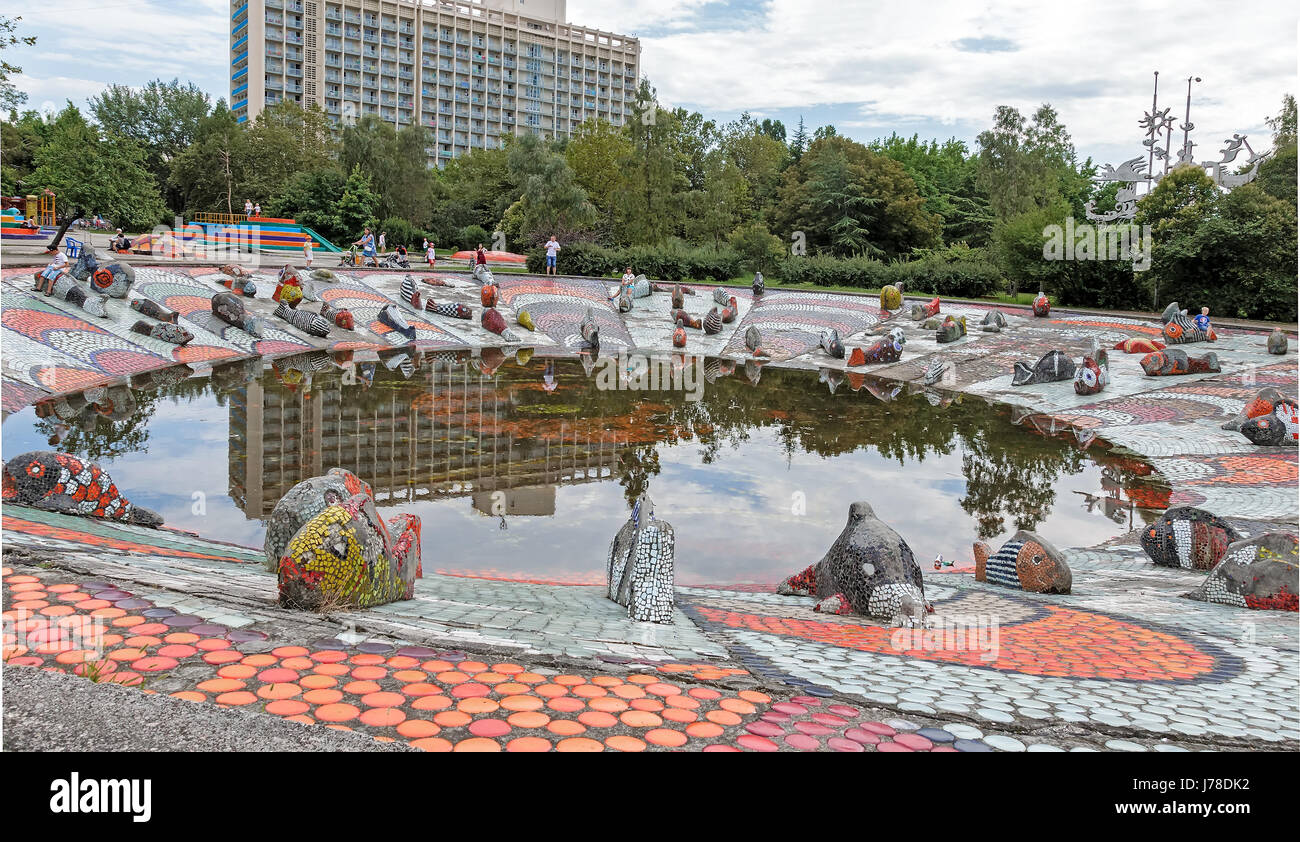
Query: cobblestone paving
(1123,663)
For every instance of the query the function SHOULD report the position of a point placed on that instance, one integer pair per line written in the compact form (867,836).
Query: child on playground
(306,252)
(429,256)
(1203,321)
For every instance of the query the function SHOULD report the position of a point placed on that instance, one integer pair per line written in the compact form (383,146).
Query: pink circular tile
(802,742)
(755,743)
(807,701)
(888,746)
(829,719)
(844,710)
(489,728)
(724,748)
(789,708)
(914,741)
(879,728)
(812,729)
(765,729)
(860,736)
(841,744)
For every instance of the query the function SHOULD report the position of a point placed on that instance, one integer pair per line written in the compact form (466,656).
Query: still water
(525,469)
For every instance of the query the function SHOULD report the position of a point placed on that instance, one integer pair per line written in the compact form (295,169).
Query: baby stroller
(349,258)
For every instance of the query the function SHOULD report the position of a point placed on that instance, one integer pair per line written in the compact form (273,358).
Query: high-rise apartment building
(471,71)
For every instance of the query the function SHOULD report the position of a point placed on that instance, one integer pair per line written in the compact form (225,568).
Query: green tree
(396,164)
(757,246)
(473,189)
(284,139)
(1277,175)
(312,198)
(649,209)
(10,96)
(357,205)
(91,171)
(20,137)
(207,174)
(758,156)
(162,117)
(1025,165)
(947,176)
(799,143)
(594,153)
(551,200)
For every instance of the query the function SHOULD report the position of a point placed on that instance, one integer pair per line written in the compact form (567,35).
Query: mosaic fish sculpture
(408,293)
(641,287)
(921,312)
(589,330)
(1277,342)
(1093,374)
(340,317)
(993,322)
(678,298)
(303,502)
(164,332)
(1053,366)
(754,342)
(729,312)
(679,335)
(887,349)
(288,291)
(242,285)
(488,294)
(720,296)
(525,320)
(494,322)
(482,274)
(1260,574)
(686,319)
(759,285)
(229,309)
(113,280)
(869,570)
(58,482)
(347,557)
(1139,346)
(891,298)
(451,310)
(713,322)
(1280,428)
(1260,405)
(1180,328)
(1027,562)
(309,323)
(950,330)
(323,275)
(154,310)
(230,270)
(639,567)
(624,302)
(1172,361)
(67,289)
(85,265)
(392,317)
(1042,305)
(832,344)
(939,371)
(1188,537)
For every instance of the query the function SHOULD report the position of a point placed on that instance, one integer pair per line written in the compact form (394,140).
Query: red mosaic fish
(58,482)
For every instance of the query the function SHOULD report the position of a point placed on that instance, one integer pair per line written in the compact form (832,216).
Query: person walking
(430,256)
(367,243)
(480,256)
(552,248)
(257,209)
(248,208)
(383,241)
(306,252)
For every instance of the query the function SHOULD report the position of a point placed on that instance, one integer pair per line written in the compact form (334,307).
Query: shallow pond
(525,470)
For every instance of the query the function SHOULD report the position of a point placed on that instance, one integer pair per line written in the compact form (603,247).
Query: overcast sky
(933,67)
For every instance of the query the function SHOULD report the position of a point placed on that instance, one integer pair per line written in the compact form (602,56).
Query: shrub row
(971,276)
(674,262)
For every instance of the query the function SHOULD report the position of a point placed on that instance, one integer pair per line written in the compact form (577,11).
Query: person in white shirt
(248,207)
(383,241)
(552,247)
(626,286)
(51,273)
(306,252)
(430,255)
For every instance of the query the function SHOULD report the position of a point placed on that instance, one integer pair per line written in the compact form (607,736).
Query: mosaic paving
(791,324)
(557,307)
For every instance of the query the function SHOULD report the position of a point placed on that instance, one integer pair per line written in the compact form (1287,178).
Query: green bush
(672,262)
(471,235)
(401,233)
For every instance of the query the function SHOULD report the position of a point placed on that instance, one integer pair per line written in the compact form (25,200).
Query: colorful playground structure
(24,217)
(260,232)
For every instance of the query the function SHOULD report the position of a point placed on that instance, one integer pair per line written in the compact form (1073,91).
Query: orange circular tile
(453,719)
(383,699)
(432,703)
(452,677)
(530,678)
(382,717)
(652,705)
(510,688)
(108,612)
(737,706)
(432,744)
(490,677)
(507,669)
(565,727)
(407,676)
(625,743)
(366,659)
(597,719)
(126,654)
(260,660)
(421,688)
(589,691)
(682,701)
(666,737)
(290,651)
(287,707)
(479,744)
(338,727)
(402,662)
(317,682)
(322,697)
(283,690)
(568,680)
(566,704)
(211,644)
(189,696)
(222,656)
(528,719)
(640,719)
(141,641)
(704,730)
(628,691)
(331,669)
(298,663)
(154,663)
(435,666)
(177,650)
(337,712)
(606,680)
(220,685)
(237,671)
(418,728)
(528,744)
(643,679)
(704,693)
(550,691)
(238,697)
(369,673)
(477,705)
(328,656)
(472,667)
(755,697)
(679,715)
(361,688)
(573,744)
(522,703)
(608,704)
(181,638)
(662,689)
(722,717)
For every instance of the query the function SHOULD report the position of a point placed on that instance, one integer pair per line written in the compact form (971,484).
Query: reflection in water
(523,467)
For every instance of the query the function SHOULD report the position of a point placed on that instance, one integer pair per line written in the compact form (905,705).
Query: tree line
(805,206)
